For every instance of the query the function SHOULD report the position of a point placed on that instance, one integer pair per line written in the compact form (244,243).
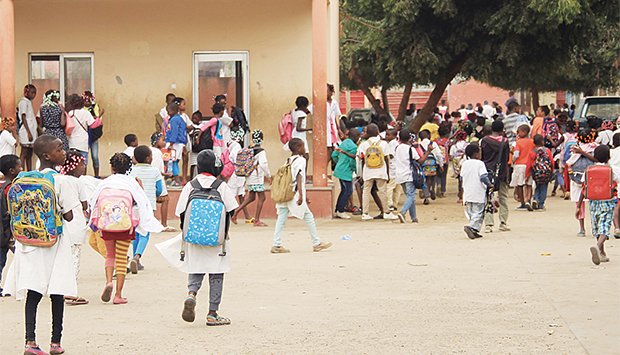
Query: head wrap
(607,126)
(257,137)
(74,159)
(209,162)
(155,137)
(586,136)
(48,98)
(237,135)
(460,135)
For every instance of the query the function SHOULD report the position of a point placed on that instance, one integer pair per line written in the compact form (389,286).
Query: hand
(576,149)
(268,179)
(101,112)
(300,201)
(338,150)
(29,137)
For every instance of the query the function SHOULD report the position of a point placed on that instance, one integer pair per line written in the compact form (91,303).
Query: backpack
(430,165)
(244,164)
(202,140)
(70,126)
(33,206)
(205,220)
(285,128)
(542,170)
(373,156)
(282,183)
(577,170)
(228,166)
(550,130)
(114,211)
(239,119)
(418,173)
(6,238)
(599,183)
(567,150)
(457,160)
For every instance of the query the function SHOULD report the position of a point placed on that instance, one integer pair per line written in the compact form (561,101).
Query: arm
(300,198)
(484,178)
(298,125)
(579,204)
(576,149)
(63,118)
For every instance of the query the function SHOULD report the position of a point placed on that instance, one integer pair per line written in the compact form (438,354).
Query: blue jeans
(139,244)
(94,153)
(346,189)
(475,213)
(409,204)
(540,194)
(283,213)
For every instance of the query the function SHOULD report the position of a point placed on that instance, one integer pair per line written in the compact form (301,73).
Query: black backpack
(202,140)
(416,169)
(239,119)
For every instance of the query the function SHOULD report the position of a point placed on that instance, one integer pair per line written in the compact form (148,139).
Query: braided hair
(120,163)
(257,137)
(74,159)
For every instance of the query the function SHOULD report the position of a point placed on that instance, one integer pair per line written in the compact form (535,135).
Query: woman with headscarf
(53,117)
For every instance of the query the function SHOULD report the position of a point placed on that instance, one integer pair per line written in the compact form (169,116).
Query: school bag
(373,157)
(542,170)
(282,183)
(33,206)
(285,128)
(239,119)
(228,168)
(70,126)
(114,211)
(430,165)
(417,172)
(202,140)
(599,183)
(550,130)
(244,164)
(567,150)
(577,170)
(205,220)
(6,238)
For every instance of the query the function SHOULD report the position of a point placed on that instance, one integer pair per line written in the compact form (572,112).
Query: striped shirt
(150,177)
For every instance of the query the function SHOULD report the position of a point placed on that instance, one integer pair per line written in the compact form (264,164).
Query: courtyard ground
(392,288)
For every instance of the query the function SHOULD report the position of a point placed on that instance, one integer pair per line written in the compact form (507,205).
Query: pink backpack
(228,166)
(285,128)
(114,212)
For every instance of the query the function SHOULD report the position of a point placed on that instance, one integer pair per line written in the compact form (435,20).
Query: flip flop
(259,224)
(249,221)
(596,256)
(107,293)
(169,229)
(78,301)
(119,300)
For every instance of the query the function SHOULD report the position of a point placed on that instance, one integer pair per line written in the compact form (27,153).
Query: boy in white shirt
(298,206)
(375,170)
(131,141)
(393,188)
(237,183)
(300,118)
(28,129)
(475,184)
(8,137)
(431,176)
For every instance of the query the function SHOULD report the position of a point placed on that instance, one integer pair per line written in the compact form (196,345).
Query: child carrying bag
(599,183)
(114,212)
(282,184)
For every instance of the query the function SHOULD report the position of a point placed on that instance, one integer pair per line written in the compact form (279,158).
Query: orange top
(537,124)
(525,147)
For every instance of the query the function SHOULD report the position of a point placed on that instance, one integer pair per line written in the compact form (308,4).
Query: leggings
(139,244)
(116,255)
(58,307)
(216,285)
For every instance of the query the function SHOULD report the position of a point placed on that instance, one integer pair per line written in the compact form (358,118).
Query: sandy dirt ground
(392,288)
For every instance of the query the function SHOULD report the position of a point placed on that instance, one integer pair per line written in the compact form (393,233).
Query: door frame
(220,56)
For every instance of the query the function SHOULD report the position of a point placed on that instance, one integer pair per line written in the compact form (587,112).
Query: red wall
(473,92)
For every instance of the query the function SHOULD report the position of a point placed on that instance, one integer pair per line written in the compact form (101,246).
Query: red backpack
(599,183)
(228,166)
(285,128)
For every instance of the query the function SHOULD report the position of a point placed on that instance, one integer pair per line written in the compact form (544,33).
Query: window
(70,73)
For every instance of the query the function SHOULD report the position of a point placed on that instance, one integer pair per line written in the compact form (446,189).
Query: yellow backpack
(374,157)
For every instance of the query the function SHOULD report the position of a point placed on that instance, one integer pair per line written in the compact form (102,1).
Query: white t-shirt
(158,160)
(257,176)
(79,137)
(296,115)
(76,229)
(333,114)
(129,151)
(225,130)
(402,162)
(7,143)
(473,189)
(380,173)
(393,144)
(25,107)
(163,113)
(488,111)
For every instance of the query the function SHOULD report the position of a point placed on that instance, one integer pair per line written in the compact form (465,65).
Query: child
(153,185)
(580,158)
(188,126)
(117,243)
(236,182)
(344,156)
(131,141)
(404,155)
(457,151)
(432,165)
(95,132)
(475,184)
(298,206)
(196,126)
(28,125)
(10,166)
(256,180)
(601,211)
(38,271)
(444,146)
(176,135)
(157,143)
(201,260)
(8,137)
(522,163)
(300,115)
(214,127)
(393,189)
(540,194)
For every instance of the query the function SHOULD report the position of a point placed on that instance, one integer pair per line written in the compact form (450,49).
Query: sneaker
(29,350)
(342,215)
(366,217)
(279,250)
(604,258)
(392,208)
(133,266)
(401,218)
(581,234)
(189,306)
(488,229)
(530,208)
(596,256)
(321,246)
(415,220)
(541,209)
(56,349)
(470,232)
(356,212)
(426,201)
(379,216)
(433,195)
(140,266)
(217,320)
(477,233)
(535,205)
(390,216)
(504,227)
(617,233)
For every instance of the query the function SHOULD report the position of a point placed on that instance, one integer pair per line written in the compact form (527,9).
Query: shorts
(162,199)
(575,191)
(240,190)
(519,176)
(256,188)
(178,147)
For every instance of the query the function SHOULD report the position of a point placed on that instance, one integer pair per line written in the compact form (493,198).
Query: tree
(394,42)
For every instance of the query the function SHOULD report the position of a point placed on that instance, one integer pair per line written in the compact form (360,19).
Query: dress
(50,119)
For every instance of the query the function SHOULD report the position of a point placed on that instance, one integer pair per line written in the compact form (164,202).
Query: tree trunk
(402,108)
(535,99)
(384,98)
(359,82)
(440,87)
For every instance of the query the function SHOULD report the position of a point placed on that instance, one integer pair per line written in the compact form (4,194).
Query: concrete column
(333,59)
(7,58)
(319,92)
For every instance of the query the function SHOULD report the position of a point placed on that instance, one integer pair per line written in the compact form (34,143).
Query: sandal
(107,292)
(259,224)
(119,300)
(169,229)
(249,221)
(56,349)
(76,301)
(215,320)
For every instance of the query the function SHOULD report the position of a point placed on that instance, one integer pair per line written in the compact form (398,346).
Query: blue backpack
(417,171)
(205,221)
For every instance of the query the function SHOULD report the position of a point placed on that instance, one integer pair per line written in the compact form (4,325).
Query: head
(131,140)
(571,126)
(607,126)
(218,110)
(586,136)
(460,135)
(523,131)
(10,166)
(404,135)
(74,102)
(209,163)
(157,140)
(486,102)
(543,111)
(539,141)
(497,127)
(616,140)
(170,97)
(75,164)
(220,99)
(50,151)
(472,117)
(30,92)
(120,163)
(302,103)
(143,154)
(354,135)
(372,130)
(89,98)
(237,135)
(297,146)
(330,91)
(7,123)
(481,121)
(472,151)
(172,108)
(383,126)
(511,93)
(390,134)
(197,117)
(180,102)
(424,134)
(601,153)
(573,107)
(51,97)
(443,102)
(514,106)
(444,130)
(257,137)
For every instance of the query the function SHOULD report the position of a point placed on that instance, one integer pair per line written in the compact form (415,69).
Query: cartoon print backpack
(205,220)
(33,206)
(542,170)
(374,157)
(285,128)
(244,164)
(456,161)
(599,183)
(114,211)
(430,165)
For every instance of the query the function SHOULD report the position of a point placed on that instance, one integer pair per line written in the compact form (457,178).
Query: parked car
(603,107)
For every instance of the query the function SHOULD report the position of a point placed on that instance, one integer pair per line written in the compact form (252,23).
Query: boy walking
(475,184)
(521,177)
(542,170)
(298,206)
(344,156)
